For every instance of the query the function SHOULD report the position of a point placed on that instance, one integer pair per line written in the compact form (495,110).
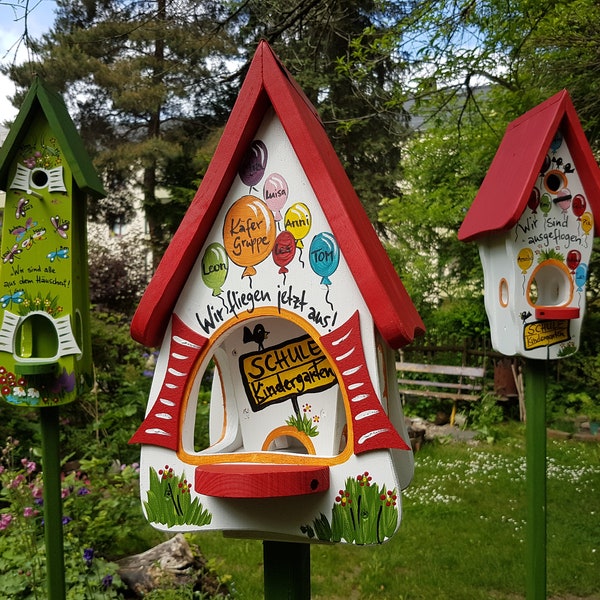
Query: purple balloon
(254,164)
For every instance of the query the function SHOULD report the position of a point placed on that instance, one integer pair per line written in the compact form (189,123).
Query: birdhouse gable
(269,87)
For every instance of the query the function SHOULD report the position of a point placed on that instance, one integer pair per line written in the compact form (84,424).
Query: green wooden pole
(286,570)
(535,404)
(53,527)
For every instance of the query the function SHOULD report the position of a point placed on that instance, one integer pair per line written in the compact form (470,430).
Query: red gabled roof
(504,193)
(267,84)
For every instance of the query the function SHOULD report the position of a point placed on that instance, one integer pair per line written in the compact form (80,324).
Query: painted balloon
(581,276)
(563,199)
(546,165)
(275,193)
(298,221)
(534,200)
(215,266)
(545,203)
(573,259)
(284,250)
(324,255)
(248,233)
(556,142)
(578,205)
(253,166)
(587,222)
(525,259)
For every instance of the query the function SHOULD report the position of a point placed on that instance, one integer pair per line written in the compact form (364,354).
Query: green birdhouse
(45,346)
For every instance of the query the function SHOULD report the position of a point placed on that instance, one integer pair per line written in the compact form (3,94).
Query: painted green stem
(53,527)
(535,403)
(286,570)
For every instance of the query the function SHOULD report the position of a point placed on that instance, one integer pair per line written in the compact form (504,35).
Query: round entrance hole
(550,285)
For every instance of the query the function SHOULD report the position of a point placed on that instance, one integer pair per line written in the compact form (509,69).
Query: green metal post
(286,570)
(53,527)
(535,404)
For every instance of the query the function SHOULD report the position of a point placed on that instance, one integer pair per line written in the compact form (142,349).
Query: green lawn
(463,532)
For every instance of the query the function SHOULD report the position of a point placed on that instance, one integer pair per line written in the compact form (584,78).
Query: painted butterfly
(62,252)
(16,297)
(60,228)
(11,254)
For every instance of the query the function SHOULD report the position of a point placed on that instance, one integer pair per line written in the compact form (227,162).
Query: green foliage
(363,513)
(89,575)
(304,424)
(169,500)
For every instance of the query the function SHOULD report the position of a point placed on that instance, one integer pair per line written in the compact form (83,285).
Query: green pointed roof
(54,109)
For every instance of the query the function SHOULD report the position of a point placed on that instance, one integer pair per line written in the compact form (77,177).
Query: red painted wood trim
(504,192)
(557,313)
(260,481)
(371,427)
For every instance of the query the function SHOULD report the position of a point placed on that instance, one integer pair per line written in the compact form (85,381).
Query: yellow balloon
(525,259)
(587,222)
(248,233)
(298,222)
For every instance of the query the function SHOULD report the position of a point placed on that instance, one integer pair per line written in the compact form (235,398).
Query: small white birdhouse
(533,219)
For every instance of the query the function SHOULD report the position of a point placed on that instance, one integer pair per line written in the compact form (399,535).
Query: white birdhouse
(533,219)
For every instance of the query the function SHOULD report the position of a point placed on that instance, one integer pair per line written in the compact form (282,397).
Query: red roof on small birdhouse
(269,84)
(504,193)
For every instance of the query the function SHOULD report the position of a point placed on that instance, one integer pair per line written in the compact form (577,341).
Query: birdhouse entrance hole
(36,344)
(550,291)
(273,391)
(39,178)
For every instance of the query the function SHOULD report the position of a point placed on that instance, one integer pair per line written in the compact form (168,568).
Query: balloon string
(523,284)
(222,300)
(300,258)
(284,276)
(327,298)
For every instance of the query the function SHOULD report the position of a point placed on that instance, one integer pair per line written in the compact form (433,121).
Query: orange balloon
(249,233)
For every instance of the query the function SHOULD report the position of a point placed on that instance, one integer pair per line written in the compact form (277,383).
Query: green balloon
(215,266)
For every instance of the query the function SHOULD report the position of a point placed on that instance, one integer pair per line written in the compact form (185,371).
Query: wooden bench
(466,385)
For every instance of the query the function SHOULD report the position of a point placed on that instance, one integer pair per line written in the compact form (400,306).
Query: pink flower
(28,511)
(29,465)
(5,520)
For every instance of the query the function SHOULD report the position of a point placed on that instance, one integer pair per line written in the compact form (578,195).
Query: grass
(463,532)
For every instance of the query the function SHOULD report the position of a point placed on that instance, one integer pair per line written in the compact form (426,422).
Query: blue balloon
(324,255)
(581,276)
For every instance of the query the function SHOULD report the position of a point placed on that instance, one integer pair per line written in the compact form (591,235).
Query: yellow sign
(285,371)
(545,333)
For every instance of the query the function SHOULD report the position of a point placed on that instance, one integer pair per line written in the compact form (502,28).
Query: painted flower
(33,393)
(364,479)
(19,392)
(306,408)
(343,498)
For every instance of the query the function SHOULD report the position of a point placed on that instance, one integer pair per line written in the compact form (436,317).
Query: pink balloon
(275,193)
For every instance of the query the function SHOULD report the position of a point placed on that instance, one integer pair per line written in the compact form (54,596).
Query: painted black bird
(258,335)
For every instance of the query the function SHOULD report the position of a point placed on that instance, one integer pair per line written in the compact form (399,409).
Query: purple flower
(107,581)
(66,520)
(88,556)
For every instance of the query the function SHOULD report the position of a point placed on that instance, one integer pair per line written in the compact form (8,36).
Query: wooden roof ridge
(269,84)
(505,190)
(56,113)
